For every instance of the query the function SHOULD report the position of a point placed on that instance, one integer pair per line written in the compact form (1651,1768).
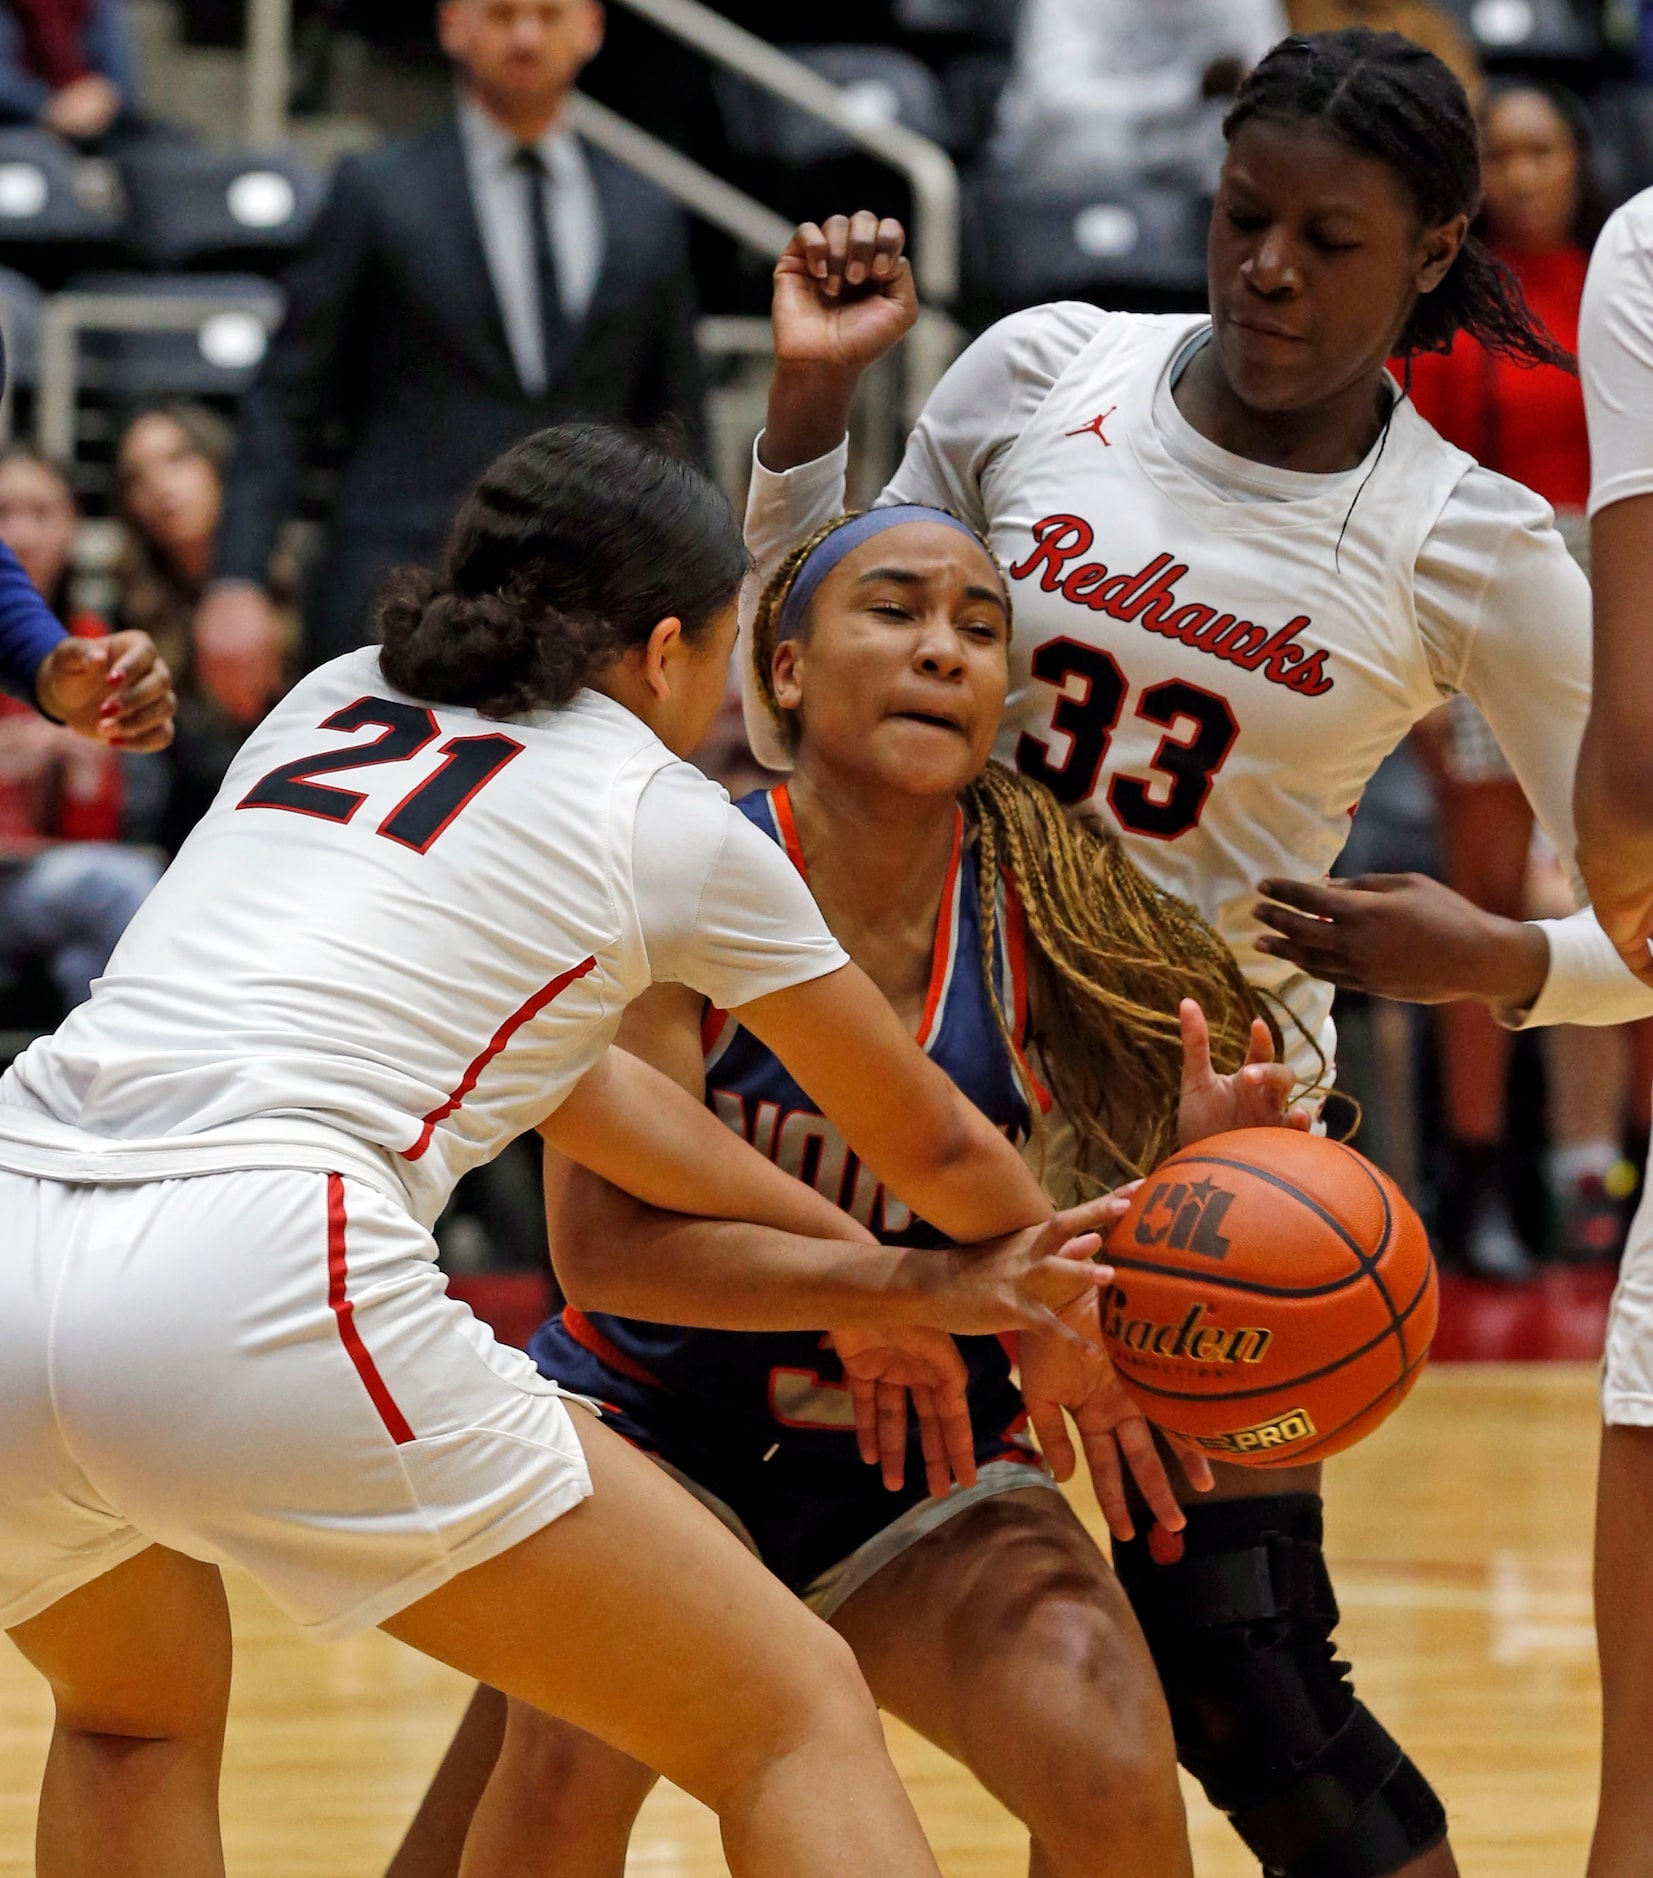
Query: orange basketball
(1275,1298)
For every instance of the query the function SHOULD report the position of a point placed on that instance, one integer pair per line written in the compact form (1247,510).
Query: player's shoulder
(1492,509)
(1042,341)
(1629,229)
(1621,266)
(1471,501)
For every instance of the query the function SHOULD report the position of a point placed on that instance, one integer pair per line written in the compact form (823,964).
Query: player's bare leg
(1623,1846)
(639,1617)
(1005,1639)
(561,1804)
(435,1837)
(139,1666)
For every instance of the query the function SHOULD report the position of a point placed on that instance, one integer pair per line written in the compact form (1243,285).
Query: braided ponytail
(1388,98)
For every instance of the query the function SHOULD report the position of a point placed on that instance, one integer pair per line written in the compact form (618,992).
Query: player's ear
(1437,250)
(786,671)
(664,645)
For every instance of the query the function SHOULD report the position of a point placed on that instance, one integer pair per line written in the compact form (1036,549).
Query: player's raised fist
(844,293)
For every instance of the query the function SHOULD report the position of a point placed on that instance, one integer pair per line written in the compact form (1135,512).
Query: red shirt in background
(1526,422)
(54,33)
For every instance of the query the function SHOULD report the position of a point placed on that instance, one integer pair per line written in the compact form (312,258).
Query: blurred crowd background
(278,279)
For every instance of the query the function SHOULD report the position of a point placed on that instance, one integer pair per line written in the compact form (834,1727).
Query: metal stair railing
(929,171)
(67,315)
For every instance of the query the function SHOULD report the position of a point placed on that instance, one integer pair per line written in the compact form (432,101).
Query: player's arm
(843,297)
(1613,797)
(635,1126)
(1407,937)
(641,1154)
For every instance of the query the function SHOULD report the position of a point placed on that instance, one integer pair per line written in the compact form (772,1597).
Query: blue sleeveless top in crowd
(749,1393)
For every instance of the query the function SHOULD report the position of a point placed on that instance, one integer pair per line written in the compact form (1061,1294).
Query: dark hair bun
(470,649)
(568,553)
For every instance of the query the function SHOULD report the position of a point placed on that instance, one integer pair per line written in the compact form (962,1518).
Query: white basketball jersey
(411,927)
(1220,678)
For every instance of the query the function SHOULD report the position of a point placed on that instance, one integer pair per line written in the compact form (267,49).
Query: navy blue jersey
(759,1396)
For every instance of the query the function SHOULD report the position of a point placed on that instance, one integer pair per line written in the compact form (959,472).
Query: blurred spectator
(1129,90)
(169,492)
(461,288)
(1540,218)
(67,65)
(1416,20)
(67,890)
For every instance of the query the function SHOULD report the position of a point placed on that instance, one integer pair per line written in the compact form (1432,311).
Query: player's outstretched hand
(1113,1431)
(1255,1096)
(1403,936)
(887,1367)
(844,293)
(116,690)
(1025,1280)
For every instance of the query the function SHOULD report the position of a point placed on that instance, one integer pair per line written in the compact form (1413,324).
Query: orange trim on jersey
(338,1301)
(1015,946)
(501,1037)
(711,1028)
(780,806)
(941,958)
(589,1337)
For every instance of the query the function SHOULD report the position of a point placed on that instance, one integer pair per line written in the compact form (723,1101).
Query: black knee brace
(1264,1717)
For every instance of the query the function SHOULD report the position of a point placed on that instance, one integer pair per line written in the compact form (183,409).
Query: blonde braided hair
(1112,954)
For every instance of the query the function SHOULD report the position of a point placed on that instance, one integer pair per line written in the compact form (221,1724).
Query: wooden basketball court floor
(1460,1535)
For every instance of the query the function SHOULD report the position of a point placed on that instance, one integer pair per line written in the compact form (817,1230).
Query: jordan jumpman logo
(1094,427)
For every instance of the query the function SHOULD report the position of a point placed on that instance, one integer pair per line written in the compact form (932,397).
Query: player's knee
(191,1708)
(188,1704)
(834,1699)
(1119,1789)
(1107,1760)
(817,1702)
(574,1785)
(1264,1715)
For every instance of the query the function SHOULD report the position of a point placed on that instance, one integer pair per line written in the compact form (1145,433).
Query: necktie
(553,326)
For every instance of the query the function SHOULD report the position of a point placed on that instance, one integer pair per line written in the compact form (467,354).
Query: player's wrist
(928,1290)
(1515,962)
(808,415)
(48,697)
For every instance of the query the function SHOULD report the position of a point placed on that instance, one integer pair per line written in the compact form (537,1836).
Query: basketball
(1275,1298)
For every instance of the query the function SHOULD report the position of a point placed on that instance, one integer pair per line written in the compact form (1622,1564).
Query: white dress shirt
(502,194)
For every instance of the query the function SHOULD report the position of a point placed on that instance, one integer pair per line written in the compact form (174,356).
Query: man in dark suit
(461,288)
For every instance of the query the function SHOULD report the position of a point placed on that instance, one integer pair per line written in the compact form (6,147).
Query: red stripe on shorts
(394,1420)
(524,1015)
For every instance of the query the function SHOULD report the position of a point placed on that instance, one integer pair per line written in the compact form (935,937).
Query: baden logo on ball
(1195,1337)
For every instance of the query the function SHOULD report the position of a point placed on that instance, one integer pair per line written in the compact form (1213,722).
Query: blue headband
(845,540)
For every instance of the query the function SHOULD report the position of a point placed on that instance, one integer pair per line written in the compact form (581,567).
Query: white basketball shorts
(260,1369)
(1627,1369)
